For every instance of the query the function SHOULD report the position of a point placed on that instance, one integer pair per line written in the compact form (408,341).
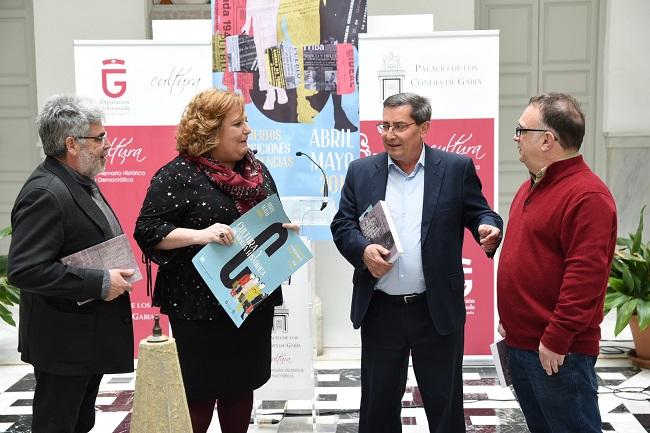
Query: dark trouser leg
(438,368)
(384,366)
(235,412)
(566,402)
(64,404)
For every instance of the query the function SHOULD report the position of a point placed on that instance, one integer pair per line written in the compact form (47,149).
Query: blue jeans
(566,402)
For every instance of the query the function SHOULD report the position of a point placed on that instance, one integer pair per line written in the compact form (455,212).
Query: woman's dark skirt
(220,360)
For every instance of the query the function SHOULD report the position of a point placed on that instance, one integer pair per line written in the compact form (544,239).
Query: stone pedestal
(159,403)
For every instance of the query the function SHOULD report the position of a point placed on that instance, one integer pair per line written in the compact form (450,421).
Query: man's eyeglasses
(396,127)
(519,130)
(101,138)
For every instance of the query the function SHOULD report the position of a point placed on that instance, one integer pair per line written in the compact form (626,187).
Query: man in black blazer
(416,304)
(60,211)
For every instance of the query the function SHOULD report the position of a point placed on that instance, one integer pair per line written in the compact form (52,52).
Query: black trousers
(389,332)
(64,404)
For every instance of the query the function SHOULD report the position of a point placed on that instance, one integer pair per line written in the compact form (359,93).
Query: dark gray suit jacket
(54,216)
(453,201)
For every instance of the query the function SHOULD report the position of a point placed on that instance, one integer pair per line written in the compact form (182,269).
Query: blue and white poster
(262,256)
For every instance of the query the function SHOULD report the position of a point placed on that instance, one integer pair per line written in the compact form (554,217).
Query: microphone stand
(325,189)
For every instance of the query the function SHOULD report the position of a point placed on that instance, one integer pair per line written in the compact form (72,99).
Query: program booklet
(263,255)
(500,355)
(378,227)
(115,253)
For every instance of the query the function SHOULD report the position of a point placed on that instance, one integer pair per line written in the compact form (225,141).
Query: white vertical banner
(143,88)
(292,367)
(459,73)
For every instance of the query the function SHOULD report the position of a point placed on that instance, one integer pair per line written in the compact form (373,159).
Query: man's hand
(551,361)
(489,237)
(118,284)
(373,257)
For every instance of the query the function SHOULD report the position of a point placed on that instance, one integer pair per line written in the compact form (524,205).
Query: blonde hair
(198,129)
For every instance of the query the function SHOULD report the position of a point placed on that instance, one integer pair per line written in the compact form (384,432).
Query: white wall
(627,67)
(447,15)
(626,116)
(57,24)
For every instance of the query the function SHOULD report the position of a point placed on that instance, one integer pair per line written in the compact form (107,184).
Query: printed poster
(303,93)
(263,255)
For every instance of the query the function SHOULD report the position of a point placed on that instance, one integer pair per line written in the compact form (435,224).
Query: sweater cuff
(556,339)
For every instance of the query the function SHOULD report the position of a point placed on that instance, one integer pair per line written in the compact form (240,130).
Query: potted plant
(628,290)
(9,294)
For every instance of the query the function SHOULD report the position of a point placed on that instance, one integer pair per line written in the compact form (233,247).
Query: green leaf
(643,313)
(624,314)
(616,284)
(13,294)
(628,280)
(626,242)
(639,233)
(6,316)
(5,232)
(617,266)
(614,299)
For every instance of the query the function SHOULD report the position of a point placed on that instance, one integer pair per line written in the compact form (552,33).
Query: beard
(90,165)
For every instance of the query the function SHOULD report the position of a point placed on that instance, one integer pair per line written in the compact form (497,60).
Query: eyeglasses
(101,138)
(396,127)
(519,130)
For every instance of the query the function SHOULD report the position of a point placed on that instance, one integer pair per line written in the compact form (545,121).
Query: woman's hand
(219,233)
(292,226)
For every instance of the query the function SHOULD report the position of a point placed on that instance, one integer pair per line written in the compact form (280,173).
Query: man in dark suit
(60,211)
(416,304)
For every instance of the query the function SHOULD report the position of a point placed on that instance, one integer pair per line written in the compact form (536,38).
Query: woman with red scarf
(191,201)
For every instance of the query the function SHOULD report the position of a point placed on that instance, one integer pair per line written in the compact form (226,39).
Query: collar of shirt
(420,163)
(536,178)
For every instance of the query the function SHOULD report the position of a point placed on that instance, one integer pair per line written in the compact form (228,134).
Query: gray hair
(420,106)
(65,116)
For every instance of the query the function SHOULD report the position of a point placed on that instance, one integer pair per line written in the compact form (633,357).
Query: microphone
(325,194)
(254,151)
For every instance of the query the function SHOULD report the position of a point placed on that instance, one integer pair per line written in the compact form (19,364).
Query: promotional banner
(292,367)
(459,73)
(143,87)
(295,62)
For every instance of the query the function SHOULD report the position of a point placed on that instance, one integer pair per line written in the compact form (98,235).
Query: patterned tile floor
(624,402)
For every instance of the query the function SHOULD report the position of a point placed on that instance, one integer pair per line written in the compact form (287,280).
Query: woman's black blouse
(181,195)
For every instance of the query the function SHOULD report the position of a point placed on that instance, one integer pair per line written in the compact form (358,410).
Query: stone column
(159,403)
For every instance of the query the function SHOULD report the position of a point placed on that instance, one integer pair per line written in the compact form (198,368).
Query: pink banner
(136,153)
(473,138)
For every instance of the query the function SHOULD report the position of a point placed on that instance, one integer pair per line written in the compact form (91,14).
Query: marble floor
(624,401)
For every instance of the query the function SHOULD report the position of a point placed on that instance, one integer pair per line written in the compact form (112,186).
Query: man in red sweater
(553,270)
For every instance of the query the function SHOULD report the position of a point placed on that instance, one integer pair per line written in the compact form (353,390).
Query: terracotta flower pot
(641,339)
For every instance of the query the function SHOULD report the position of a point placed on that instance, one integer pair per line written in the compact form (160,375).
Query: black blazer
(54,216)
(453,201)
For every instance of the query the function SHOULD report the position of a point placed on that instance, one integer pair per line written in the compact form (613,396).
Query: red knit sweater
(555,260)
